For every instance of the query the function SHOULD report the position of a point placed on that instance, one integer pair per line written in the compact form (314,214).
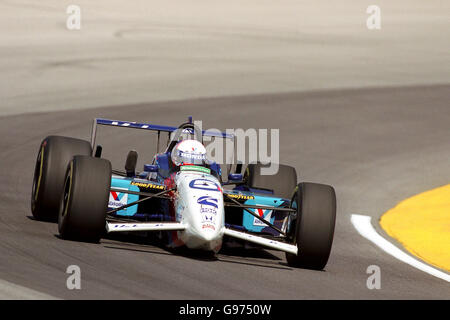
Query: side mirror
(235,177)
(130,163)
(150,168)
(98,151)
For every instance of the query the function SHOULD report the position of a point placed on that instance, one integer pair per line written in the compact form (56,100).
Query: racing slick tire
(282,183)
(314,225)
(84,204)
(54,154)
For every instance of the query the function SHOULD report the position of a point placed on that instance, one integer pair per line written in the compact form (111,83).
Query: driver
(189,152)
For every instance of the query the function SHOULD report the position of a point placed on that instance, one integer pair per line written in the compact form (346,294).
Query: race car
(182,196)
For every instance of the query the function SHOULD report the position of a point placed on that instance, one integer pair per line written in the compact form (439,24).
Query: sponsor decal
(208,226)
(118,226)
(188,130)
(208,206)
(191,155)
(117,199)
(146,185)
(265,214)
(195,168)
(203,184)
(208,201)
(208,210)
(240,196)
(208,218)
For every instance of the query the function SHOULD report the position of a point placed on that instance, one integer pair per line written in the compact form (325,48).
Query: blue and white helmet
(189,152)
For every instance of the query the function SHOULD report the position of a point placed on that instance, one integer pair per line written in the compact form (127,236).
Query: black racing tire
(84,204)
(282,183)
(54,154)
(313,227)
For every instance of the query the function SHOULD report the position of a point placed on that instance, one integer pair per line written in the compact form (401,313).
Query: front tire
(84,203)
(314,225)
(54,154)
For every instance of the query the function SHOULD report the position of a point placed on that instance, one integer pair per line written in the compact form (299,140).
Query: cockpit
(185,149)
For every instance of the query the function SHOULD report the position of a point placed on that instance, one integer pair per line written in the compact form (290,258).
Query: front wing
(174,226)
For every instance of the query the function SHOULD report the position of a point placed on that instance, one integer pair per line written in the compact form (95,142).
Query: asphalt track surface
(308,68)
(142,51)
(376,146)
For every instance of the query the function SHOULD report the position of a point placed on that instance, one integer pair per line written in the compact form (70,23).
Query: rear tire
(84,202)
(282,183)
(314,225)
(54,154)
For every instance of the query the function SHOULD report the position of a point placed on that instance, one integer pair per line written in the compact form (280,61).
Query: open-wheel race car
(182,195)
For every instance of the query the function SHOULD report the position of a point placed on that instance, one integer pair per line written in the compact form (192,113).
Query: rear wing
(148,126)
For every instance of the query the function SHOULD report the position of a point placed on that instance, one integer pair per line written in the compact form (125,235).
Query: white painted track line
(11,291)
(364,226)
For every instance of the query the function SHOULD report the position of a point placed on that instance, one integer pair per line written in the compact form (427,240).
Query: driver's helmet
(189,152)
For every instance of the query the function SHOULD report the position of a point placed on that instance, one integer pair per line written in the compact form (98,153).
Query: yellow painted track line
(422,225)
